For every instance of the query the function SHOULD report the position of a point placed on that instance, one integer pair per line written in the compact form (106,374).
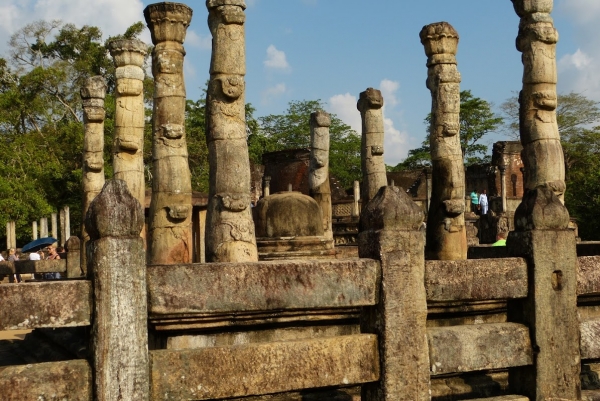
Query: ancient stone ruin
(446,234)
(230,230)
(170,220)
(305,323)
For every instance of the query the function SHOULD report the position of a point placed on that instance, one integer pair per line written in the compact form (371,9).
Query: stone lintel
(68,380)
(262,286)
(266,368)
(478,347)
(475,279)
(49,304)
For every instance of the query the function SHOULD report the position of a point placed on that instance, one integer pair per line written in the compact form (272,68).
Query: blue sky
(334,49)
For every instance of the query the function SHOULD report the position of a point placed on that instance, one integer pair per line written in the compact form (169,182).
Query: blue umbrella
(38,244)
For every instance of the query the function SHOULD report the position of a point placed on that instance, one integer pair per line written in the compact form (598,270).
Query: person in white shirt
(34,256)
(483,202)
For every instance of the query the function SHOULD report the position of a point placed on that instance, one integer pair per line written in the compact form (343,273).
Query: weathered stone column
(391,234)
(542,152)
(44,227)
(73,247)
(34,230)
(503,186)
(92,93)
(128,143)
(117,268)
(266,186)
(54,216)
(170,218)
(446,233)
(541,222)
(229,227)
(427,171)
(356,199)
(318,174)
(542,237)
(369,104)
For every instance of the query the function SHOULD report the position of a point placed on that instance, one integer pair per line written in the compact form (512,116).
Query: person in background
(474,202)
(12,257)
(34,256)
(52,255)
(483,202)
(500,239)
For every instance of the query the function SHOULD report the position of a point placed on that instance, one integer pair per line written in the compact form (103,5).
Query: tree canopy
(476,120)
(577,118)
(292,130)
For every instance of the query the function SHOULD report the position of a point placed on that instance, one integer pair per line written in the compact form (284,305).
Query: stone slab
(475,279)
(34,266)
(266,368)
(590,395)
(47,304)
(588,275)
(590,339)
(261,286)
(504,398)
(69,380)
(478,347)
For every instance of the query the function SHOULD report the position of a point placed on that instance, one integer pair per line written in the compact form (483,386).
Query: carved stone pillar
(230,233)
(427,171)
(318,175)
(369,104)
(128,144)
(542,152)
(170,225)
(446,234)
(503,186)
(34,230)
(266,186)
(93,93)
(356,199)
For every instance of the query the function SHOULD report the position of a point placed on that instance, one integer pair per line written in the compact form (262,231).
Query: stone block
(49,304)
(256,286)
(475,279)
(256,369)
(478,347)
(588,275)
(69,380)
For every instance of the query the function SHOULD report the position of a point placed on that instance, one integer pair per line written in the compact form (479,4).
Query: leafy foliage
(476,120)
(292,130)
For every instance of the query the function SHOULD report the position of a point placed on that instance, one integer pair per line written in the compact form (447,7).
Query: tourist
(34,256)
(52,255)
(474,202)
(500,239)
(483,203)
(12,257)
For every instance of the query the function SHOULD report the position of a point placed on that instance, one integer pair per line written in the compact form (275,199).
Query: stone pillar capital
(168,21)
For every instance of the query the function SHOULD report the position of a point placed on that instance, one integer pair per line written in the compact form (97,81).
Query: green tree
(292,130)
(41,130)
(575,115)
(476,120)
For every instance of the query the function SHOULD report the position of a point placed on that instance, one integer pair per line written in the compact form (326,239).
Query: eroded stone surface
(318,175)
(93,93)
(446,232)
(255,369)
(478,347)
(369,104)
(170,217)
(49,304)
(222,287)
(230,233)
(542,152)
(475,279)
(70,380)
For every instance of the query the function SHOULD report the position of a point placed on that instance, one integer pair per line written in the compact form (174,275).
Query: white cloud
(388,91)
(344,106)
(276,59)
(111,16)
(578,71)
(273,92)
(202,42)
